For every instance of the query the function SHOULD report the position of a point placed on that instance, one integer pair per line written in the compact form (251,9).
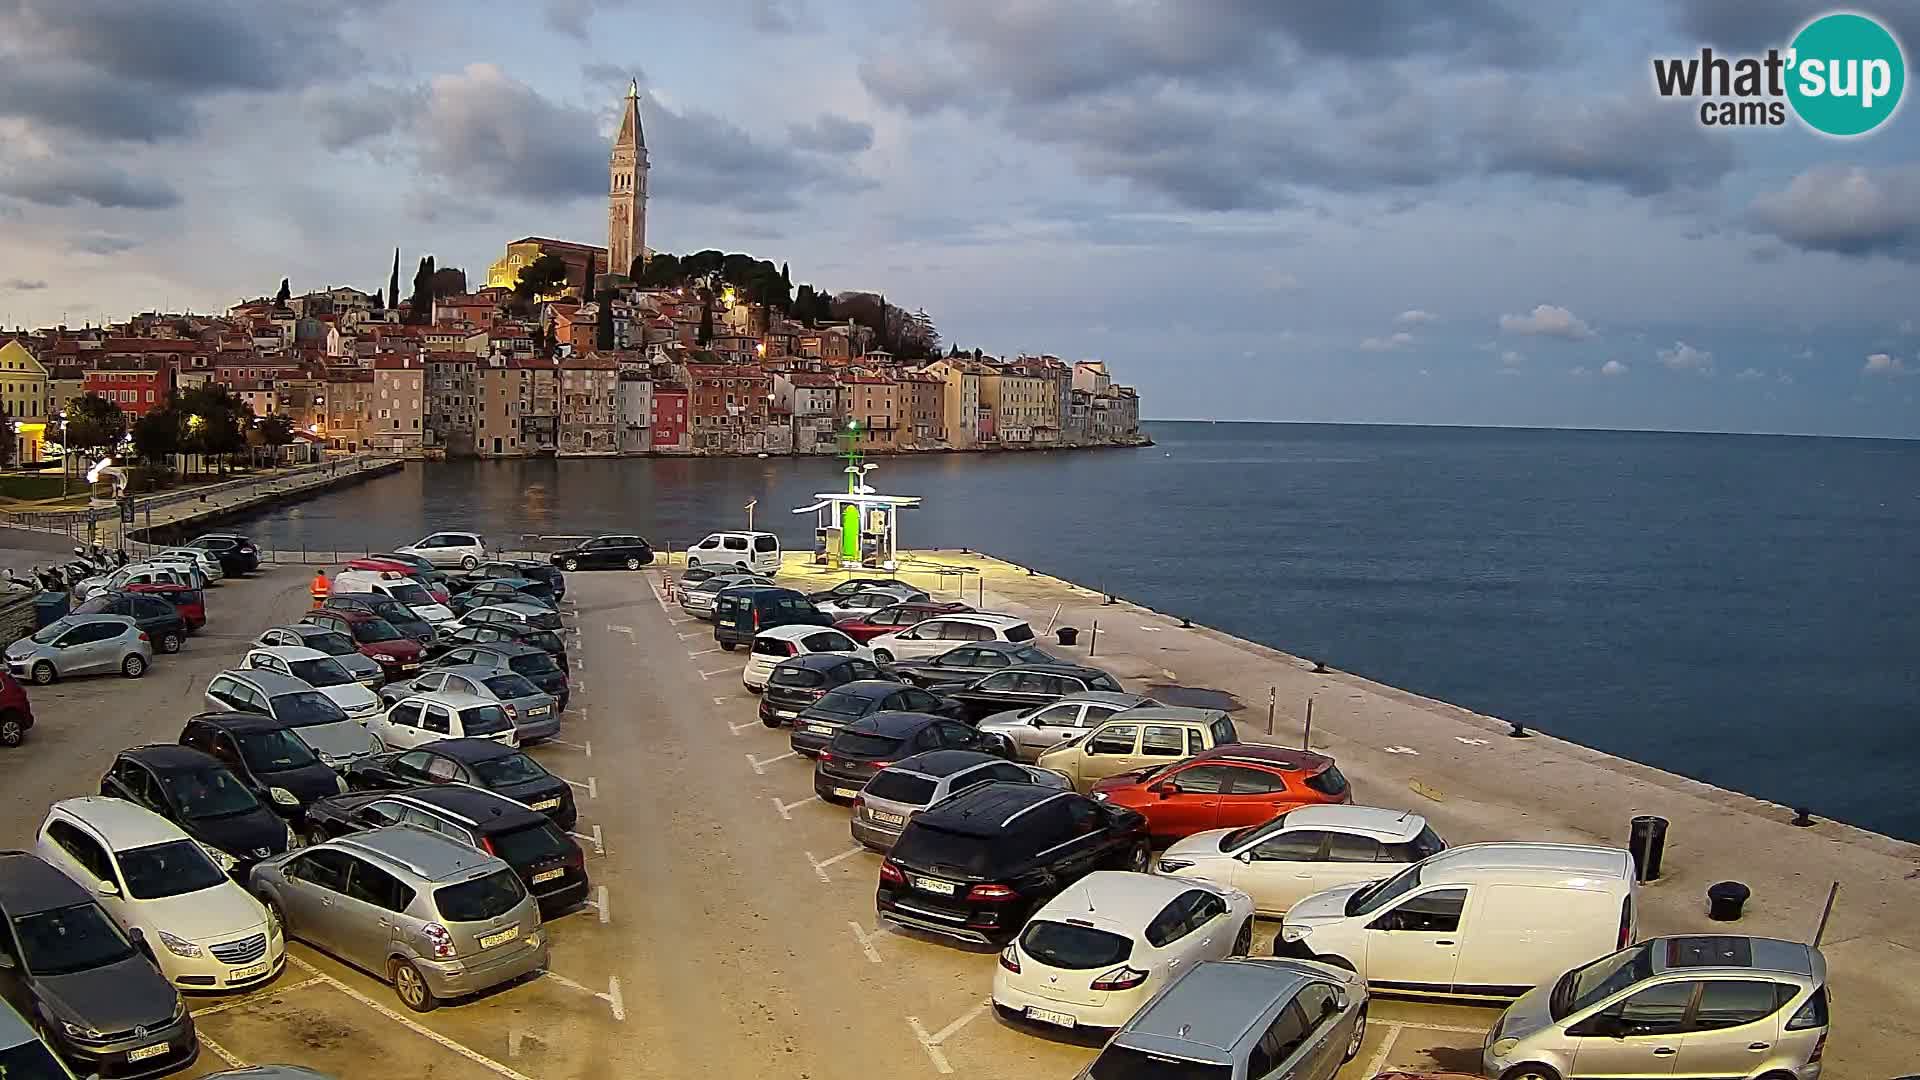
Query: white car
(747,552)
(447,549)
(324,673)
(204,931)
(785,642)
(203,561)
(1091,956)
(419,719)
(942,632)
(137,574)
(1303,851)
(861,604)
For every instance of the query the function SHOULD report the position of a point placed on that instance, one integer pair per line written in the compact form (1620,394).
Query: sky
(1476,212)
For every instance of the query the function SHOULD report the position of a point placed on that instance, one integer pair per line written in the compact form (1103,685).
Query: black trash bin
(1725,899)
(1647,840)
(1067,635)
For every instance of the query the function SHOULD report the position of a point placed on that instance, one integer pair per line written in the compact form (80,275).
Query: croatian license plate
(409,667)
(251,971)
(146,1052)
(885,818)
(500,938)
(546,804)
(548,875)
(844,792)
(785,714)
(541,711)
(935,885)
(1048,1016)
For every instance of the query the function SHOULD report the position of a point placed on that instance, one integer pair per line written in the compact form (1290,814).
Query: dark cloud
(1759,24)
(67,183)
(832,133)
(344,119)
(1845,210)
(22,285)
(1615,142)
(101,243)
(76,101)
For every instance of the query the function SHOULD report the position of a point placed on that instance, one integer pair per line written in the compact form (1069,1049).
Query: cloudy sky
(1381,210)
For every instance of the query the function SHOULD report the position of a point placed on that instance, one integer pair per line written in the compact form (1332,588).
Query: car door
(1351,858)
(1282,1050)
(828,641)
(365,913)
(91,648)
(14,987)
(1321,1053)
(1108,751)
(1209,936)
(1188,800)
(957,736)
(1278,871)
(1733,1028)
(1047,729)
(1250,797)
(315,884)
(437,723)
(920,642)
(1415,944)
(1642,1034)
(86,861)
(408,769)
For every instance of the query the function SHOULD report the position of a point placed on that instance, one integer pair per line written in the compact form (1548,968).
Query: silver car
(535,714)
(81,645)
(1243,1019)
(432,916)
(1701,1005)
(339,739)
(1036,730)
(364,669)
(910,785)
(698,599)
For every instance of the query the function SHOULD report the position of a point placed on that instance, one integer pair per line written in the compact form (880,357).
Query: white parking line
(820,868)
(417,1028)
(703,652)
(600,905)
(695,634)
(1379,1059)
(1402,750)
(249,999)
(221,1052)
(599,844)
(611,997)
(719,701)
(722,671)
(740,727)
(627,630)
(591,787)
(679,622)
(865,939)
(760,767)
(585,747)
(784,808)
(931,1043)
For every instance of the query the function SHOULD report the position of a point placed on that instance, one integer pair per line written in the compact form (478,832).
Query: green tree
(603,323)
(544,275)
(8,446)
(213,421)
(420,305)
(706,318)
(156,435)
(393,283)
(95,424)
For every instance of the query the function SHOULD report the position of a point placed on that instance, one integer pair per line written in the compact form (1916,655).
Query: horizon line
(1533,427)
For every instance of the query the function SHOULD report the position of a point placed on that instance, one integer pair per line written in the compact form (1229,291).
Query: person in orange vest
(321,587)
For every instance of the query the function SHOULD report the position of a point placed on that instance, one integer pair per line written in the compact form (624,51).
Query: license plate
(844,792)
(500,938)
(252,971)
(548,875)
(1050,1017)
(885,818)
(541,711)
(409,667)
(785,714)
(146,1052)
(546,804)
(934,885)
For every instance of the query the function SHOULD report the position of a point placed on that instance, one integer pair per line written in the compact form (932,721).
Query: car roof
(123,824)
(124,620)
(984,618)
(757,590)
(995,646)
(1081,671)
(790,631)
(471,671)
(504,648)
(29,883)
(1281,757)
(935,764)
(470,750)
(515,608)
(824,660)
(869,688)
(426,854)
(1216,1005)
(166,757)
(304,629)
(1172,714)
(984,810)
(740,533)
(288,652)
(1115,899)
(1731,952)
(478,805)
(240,723)
(1576,859)
(1386,826)
(1127,702)
(452,699)
(893,722)
(272,682)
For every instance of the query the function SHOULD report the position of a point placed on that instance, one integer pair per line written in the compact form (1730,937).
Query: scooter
(50,579)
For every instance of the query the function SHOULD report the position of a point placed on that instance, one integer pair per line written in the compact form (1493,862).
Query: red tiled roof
(813,380)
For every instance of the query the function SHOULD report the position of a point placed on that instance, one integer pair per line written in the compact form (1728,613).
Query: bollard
(1647,842)
(1725,899)
(1270,703)
(1095,638)
(1067,635)
(1802,817)
(1185,623)
(1306,737)
(1518,731)
(1319,667)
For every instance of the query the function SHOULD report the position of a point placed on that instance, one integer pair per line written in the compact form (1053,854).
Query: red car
(1228,787)
(397,654)
(190,602)
(16,714)
(897,617)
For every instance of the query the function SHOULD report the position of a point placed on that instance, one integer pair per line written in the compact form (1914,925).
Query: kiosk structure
(860,527)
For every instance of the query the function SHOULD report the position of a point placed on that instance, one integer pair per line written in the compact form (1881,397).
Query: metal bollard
(1647,842)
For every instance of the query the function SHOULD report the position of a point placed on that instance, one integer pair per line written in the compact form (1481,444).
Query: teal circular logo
(1847,74)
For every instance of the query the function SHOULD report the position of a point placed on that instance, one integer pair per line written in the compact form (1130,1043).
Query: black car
(605,553)
(741,612)
(510,568)
(237,554)
(817,724)
(974,866)
(398,615)
(548,861)
(530,663)
(851,586)
(164,624)
(267,755)
(795,684)
(874,742)
(1024,687)
(480,762)
(964,663)
(93,992)
(195,791)
(502,591)
(547,641)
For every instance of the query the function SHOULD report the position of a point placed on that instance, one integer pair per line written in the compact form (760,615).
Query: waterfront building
(453,400)
(925,409)
(729,403)
(502,389)
(135,385)
(589,405)
(636,411)
(350,400)
(540,406)
(1014,398)
(65,384)
(23,393)
(668,430)
(399,405)
(816,411)
(961,416)
(872,402)
(1091,376)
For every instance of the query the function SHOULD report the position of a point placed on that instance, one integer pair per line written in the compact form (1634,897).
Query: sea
(1741,609)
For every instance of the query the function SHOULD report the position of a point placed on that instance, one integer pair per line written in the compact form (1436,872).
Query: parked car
(535,616)
(107,1008)
(190,603)
(895,617)
(1702,1005)
(1235,785)
(415,602)
(205,932)
(622,552)
(22,1052)
(530,663)
(444,549)
(16,712)
(780,643)
(377,639)
(480,762)
(1138,739)
(744,610)
(1091,956)
(196,792)
(977,865)
(398,615)
(268,756)
(1482,921)
(867,601)
(1301,852)
(141,574)
(534,712)
(849,587)
(500,591)
(1041,728)
(698,599)
(964,663)
(164,626)
(931,637)
(817,724)
(898,791)
(1243,1019)
(520,568)
(876,741)
(335,643)
(797,684)
(415,569)
(81,645)
(1026,686)
(549,862)
(502,633)
(323,673)
(237,554)
(324,726)
(427,913)
(748,552)
(200,559)
(418,719)
(693,575)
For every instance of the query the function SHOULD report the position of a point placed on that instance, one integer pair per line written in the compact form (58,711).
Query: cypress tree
(393,283)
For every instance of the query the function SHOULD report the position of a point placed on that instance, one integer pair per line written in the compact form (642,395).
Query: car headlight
(385,658)
(180,946)
(283,796)
(220,858)
(1292,932)
(341,783)
(1502,1047)
(1099,796)
(293,841)
(79,1031)
(374,745)
(1169,866)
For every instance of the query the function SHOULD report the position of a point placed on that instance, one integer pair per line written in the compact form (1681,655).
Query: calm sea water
(1740,609)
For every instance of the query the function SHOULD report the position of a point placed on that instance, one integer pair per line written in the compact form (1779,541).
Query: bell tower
(627,190)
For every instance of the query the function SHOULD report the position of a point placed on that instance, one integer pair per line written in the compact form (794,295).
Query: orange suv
(1228,787)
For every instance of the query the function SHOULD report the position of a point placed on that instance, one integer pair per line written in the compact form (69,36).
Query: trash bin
(1725,899)
(1647,840)
(1067,635)
(47,607)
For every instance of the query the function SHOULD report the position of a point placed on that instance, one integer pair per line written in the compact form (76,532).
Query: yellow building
(23,393)
(584,264)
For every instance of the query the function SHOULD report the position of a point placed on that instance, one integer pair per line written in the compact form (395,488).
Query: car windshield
(1600,980)
(531,844)
(509,770)
(1377,895)
(303,708)
(274,751)
(508,686)
(842,703)
(545,640)
(533,665)
(1251,833)
(936,849)
(901,787)
(70,939)
(1076,948)
(31,1061)
(544,620)
(53,630)
(170,869)
(1033,655)
(862,744)
(374,631)
(1103,681)
(796,676)
(1118,1062)
(391,610)
(333,644)
(209,792)
(485,720)
(480,899)
(408,593)
(325,671)
(1020,632)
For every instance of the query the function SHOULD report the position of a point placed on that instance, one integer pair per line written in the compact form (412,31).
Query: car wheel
(1530,1070)
(43,673)
(728,645)
(469,563)
(571,565)
(755,690)
(1359,1036)
(1243,941)
(770,721)
(1139,857)
(170,642)
(412,988)
(633,563)
(133,666)
(276,917)
(693,563)
(882,656)
(12,732)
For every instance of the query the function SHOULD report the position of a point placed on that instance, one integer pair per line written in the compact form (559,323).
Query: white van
(401,587)
(749,552)
(1481,921)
